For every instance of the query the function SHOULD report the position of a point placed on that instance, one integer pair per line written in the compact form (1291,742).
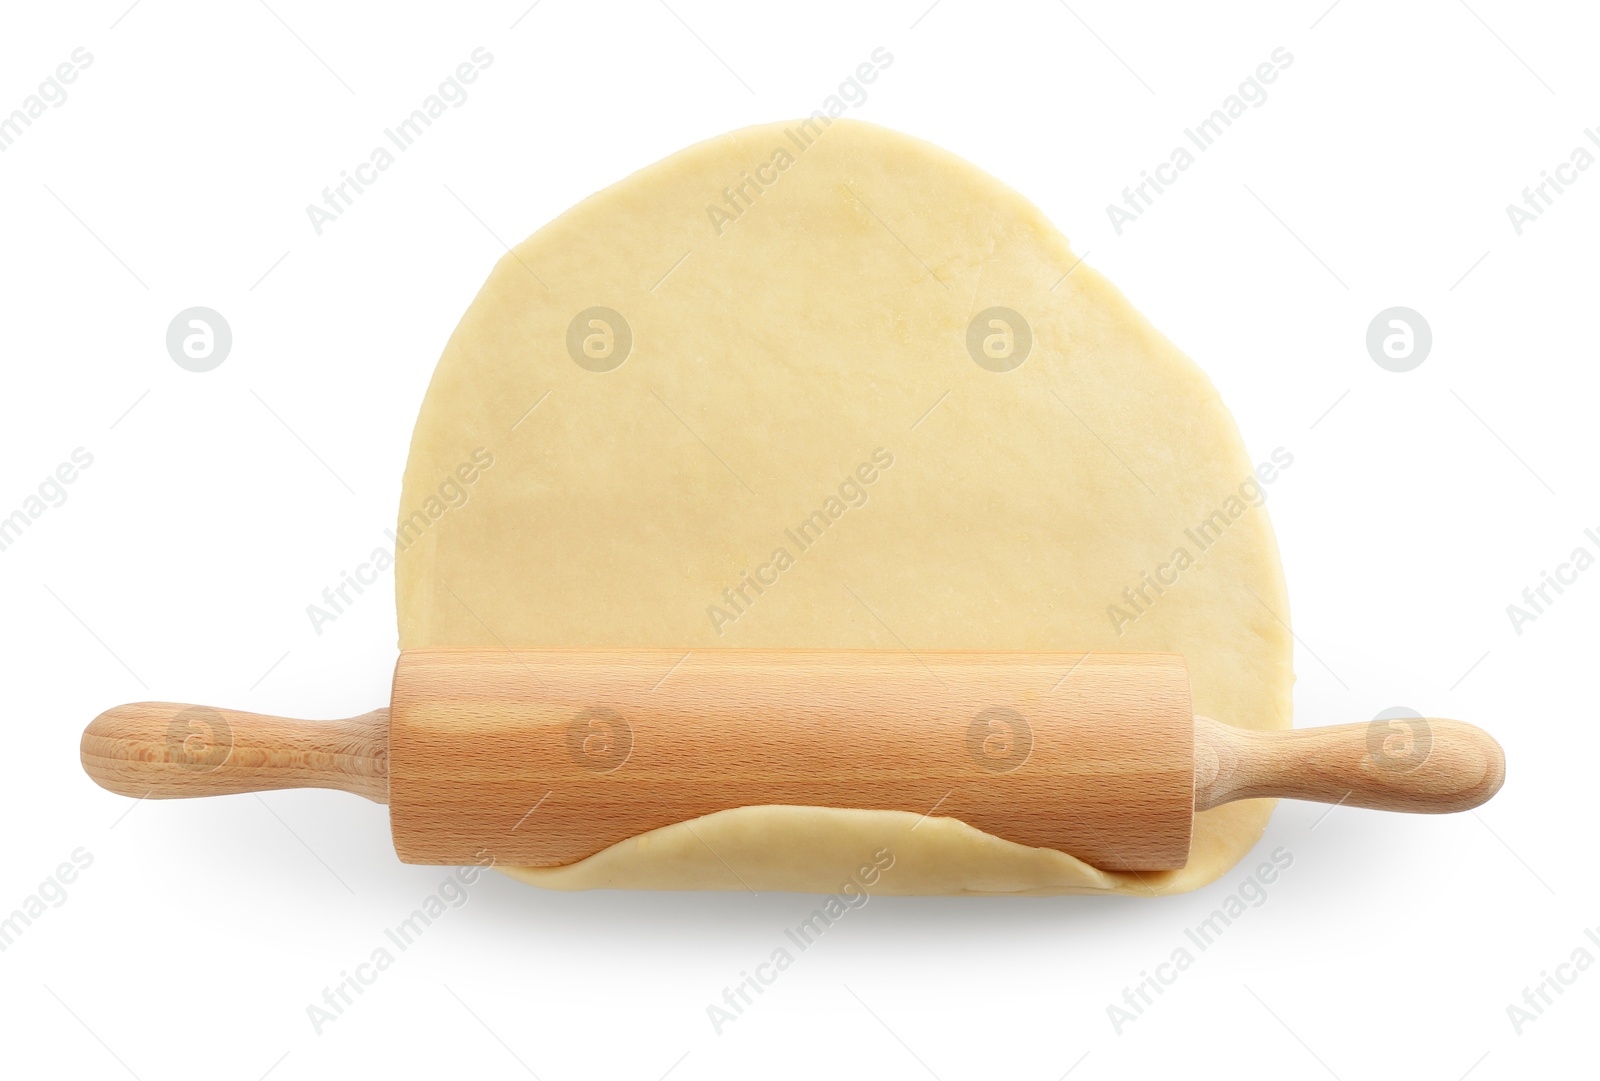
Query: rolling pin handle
(164,750)
(1421,765)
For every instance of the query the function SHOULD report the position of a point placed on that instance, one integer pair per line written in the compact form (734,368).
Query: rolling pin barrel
(542,758)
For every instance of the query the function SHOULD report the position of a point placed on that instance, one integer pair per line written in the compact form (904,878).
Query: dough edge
(801,849)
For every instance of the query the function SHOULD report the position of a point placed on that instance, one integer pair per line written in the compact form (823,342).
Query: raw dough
(766,359)
(820,850)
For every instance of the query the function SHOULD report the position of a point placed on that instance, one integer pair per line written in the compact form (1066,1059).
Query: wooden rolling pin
(543,757)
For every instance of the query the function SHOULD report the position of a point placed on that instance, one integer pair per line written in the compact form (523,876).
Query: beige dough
(773,354)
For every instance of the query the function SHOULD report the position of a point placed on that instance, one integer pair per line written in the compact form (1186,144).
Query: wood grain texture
(542,758)
(164,750)
(1424,766)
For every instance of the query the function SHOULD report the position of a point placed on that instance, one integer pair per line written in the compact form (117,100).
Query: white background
(219,505)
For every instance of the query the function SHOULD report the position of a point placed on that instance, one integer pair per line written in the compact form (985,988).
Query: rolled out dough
(783,313)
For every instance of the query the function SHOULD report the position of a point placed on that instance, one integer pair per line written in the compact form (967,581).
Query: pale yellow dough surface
(826,322)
